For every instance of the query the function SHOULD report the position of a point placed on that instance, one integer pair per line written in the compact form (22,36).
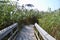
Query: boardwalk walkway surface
(27,33)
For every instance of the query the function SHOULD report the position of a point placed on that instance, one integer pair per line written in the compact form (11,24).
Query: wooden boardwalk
(27,33)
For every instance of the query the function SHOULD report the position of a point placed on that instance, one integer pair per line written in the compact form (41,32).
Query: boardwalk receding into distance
(27,33)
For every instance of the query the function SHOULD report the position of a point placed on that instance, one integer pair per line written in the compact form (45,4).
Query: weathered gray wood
(43,33)
(36,35)
(27,33)
(11,37)
(7,30)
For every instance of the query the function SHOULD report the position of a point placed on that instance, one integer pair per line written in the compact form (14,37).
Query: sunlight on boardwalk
(27,33)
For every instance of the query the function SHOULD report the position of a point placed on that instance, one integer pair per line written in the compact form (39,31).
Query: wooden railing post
(7,30)
(11,32)
(43,33)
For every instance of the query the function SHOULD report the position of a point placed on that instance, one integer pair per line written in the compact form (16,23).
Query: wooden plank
(36,34)
(7,30)
(43,33)
(11,37)
(27,33)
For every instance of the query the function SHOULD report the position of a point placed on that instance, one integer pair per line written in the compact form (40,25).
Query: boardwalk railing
(8,30)
(43,33)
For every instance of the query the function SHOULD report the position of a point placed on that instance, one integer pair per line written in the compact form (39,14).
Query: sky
(42,5)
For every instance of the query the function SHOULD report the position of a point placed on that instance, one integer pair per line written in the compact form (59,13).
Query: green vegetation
(50,21)
(5,15)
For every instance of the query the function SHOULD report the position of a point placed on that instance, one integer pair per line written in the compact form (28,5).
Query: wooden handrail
(7,30)
(43,33)
(11,37)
